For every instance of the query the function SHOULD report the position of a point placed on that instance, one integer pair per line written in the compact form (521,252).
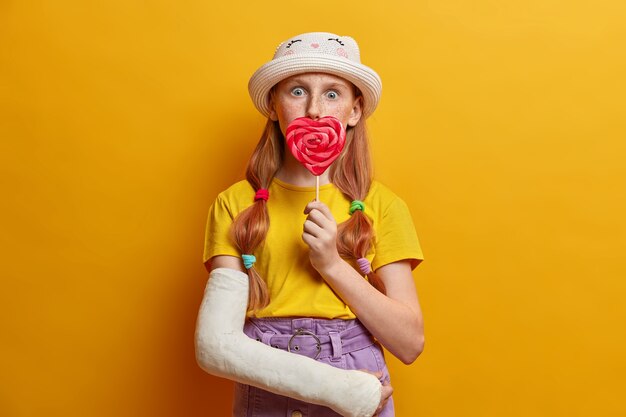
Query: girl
(306,260)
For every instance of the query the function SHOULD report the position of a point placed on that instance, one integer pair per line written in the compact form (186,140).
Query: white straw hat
(316,52)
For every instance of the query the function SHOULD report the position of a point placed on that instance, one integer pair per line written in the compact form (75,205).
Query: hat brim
(267,76)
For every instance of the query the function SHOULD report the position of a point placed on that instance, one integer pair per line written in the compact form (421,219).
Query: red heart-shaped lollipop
(316,143)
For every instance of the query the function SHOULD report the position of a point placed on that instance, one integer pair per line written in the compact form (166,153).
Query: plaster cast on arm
(223,349)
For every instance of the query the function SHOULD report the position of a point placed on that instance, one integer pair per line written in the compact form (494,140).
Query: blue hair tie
(248,260)
(357,205)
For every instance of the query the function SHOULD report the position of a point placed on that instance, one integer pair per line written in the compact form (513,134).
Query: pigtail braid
(250,227)
(352,174)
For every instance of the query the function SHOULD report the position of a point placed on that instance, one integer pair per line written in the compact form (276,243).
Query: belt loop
(302,324)
(266,337)
(335,341)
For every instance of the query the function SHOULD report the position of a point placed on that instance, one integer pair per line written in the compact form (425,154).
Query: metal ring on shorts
(302,332)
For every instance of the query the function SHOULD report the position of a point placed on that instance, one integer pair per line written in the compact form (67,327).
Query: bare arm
(395,319)
(225,261)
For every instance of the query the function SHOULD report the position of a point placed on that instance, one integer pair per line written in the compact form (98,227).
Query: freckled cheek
(286,115)
(291,112)
(339,111)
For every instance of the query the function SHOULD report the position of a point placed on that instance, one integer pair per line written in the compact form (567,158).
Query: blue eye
(298,91)
(332,95)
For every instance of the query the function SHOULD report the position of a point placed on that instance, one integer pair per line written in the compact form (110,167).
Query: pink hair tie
(262,194)
(364,265)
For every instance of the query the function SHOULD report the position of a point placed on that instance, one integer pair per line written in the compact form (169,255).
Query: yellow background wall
(502,125)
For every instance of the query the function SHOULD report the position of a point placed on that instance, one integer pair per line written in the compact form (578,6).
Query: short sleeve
(396,238)
(217,240)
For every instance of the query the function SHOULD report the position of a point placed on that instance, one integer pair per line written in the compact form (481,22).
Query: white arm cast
(223,349)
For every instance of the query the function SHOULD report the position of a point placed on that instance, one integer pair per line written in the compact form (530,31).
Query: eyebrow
(332,84)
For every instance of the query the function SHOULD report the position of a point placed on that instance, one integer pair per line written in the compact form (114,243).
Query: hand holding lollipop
(316,143)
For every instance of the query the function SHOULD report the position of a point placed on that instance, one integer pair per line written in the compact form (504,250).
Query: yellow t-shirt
(296,288)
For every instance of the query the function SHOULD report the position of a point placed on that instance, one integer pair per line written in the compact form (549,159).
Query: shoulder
(236,197)
(237,188)
(381,191)
(382,198)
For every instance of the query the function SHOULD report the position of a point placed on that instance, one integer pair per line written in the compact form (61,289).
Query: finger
(312,228)
(381,407)
(318,205)
(311,206)
(326,211)
(319,218)
(385,394)
(308,239)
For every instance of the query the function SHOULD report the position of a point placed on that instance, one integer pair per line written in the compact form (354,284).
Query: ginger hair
(250,227)
(351,173)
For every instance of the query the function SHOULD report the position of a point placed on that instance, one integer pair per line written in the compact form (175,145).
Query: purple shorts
(345,344)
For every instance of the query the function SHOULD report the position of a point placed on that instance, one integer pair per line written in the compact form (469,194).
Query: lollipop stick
(317,188)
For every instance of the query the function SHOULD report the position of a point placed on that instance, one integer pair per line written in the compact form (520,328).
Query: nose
(313,108)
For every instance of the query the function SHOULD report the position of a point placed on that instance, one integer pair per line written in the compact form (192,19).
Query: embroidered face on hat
(322,43)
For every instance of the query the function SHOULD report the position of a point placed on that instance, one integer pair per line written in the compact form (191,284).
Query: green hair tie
(357,205)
